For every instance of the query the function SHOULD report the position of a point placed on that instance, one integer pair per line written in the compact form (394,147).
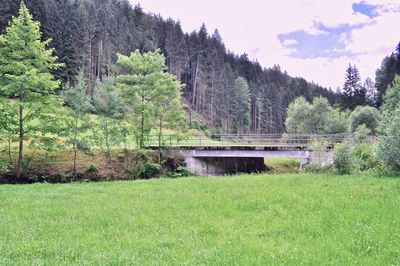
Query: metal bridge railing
(248,140)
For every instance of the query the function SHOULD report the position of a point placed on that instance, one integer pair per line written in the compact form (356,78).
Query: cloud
(329,34)
(289,42)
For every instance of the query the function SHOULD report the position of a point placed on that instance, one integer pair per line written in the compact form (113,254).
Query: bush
(367,115)
(92,173)
(364,158)
(362,133)
(342,159)
(389,142)
(146,170)
(3,165)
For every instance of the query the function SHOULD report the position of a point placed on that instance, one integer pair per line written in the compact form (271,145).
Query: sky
(313,39)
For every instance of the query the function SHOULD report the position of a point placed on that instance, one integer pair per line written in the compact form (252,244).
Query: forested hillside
(87,34)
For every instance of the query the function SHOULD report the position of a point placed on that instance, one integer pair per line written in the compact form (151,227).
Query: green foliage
(354,94)
(342,159)
(153,94)
(146,170)
(240,108)
(25,72)
(316,118)
(298,117)
(389,129)
(362,133)
(4,164)
(364,158)
(389,141)
(338,122)
(108,104)
(391,99)
(25,61)
(77,121)
(367,115)
(320,154)
(385,75)
(92,169)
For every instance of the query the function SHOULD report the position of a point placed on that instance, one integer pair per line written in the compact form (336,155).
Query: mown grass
(245,220)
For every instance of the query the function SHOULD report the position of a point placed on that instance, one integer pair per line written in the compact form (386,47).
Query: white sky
(253,27)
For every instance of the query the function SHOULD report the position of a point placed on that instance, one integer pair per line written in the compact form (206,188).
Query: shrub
(389,142)
(342,159)
(146,170)
(320,154)
(362,133)
(3,165)
(364,158)
(92,173)
(312,168)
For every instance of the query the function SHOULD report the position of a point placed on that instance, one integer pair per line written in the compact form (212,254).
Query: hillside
(87,35)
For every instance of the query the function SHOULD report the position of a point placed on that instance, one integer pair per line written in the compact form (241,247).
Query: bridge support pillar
(205,166)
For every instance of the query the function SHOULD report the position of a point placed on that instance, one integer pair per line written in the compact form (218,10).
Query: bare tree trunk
(21,140)
(195,82)
(99,58)
(74,146)
(159,139)
(141,142)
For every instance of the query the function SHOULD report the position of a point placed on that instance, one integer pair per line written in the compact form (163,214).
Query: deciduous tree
(25,71)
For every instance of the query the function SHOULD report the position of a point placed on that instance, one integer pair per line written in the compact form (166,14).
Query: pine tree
(240,108)
(354,94)
(25,70)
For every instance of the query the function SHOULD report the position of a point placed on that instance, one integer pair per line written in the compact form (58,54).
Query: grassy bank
(279,219)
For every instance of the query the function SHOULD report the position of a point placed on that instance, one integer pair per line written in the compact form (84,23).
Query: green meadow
(246,220)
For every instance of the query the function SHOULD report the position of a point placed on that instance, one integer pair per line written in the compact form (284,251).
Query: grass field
(246,220)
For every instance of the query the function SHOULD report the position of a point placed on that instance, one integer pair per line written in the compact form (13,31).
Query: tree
(385,76)
(88,34)
(298,116)
(109,106)
(391,99)
(240,108)
(367,115)
(389,128)
(143,85)
(371,92)
(354,94)
(338,122)
(25,71)
(316,118)
(320,115)
(77,121)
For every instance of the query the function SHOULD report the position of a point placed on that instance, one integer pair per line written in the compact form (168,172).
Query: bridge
(229,154)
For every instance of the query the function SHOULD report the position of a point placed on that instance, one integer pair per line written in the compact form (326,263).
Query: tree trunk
(9,151)
(74,146)
(142,125)
(195,82)
(21,140)
(107,133)
(159,139)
